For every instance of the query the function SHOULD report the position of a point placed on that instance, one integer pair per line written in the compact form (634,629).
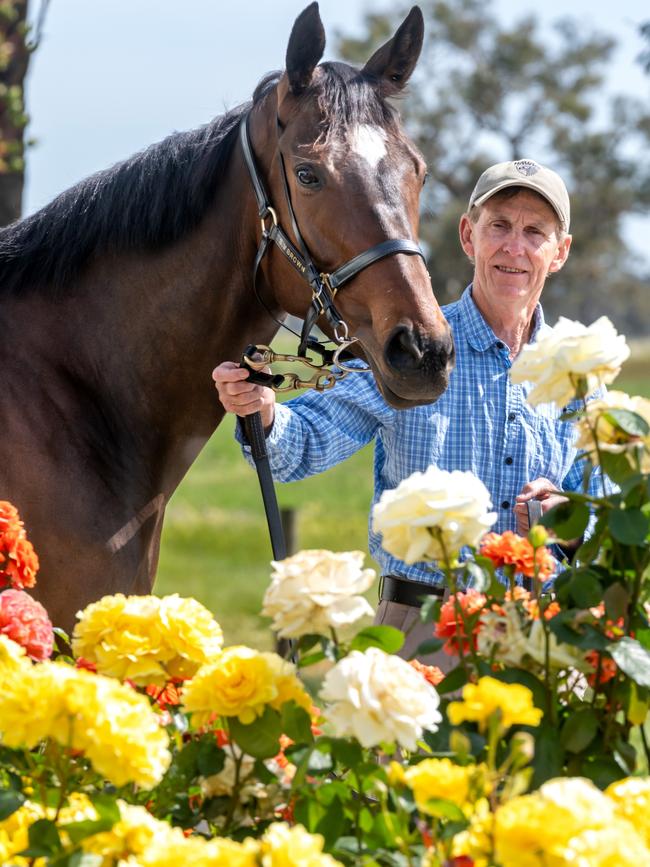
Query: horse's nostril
(407,352)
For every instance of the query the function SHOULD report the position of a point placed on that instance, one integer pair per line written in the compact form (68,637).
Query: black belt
(394,589)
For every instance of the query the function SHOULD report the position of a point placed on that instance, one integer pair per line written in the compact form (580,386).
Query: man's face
(514,244)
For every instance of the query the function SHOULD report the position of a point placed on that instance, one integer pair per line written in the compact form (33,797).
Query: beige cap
(525,173)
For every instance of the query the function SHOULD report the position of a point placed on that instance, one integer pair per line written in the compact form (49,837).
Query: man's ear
(393,63)
(466,234)
(305,49)
(561,255)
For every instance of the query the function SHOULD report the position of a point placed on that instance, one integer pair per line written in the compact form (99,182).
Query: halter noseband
(324,286)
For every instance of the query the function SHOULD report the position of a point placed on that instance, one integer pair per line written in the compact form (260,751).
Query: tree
(16,49)
(485,92)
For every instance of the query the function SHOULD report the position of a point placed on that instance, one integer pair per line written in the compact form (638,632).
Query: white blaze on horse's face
(368,142)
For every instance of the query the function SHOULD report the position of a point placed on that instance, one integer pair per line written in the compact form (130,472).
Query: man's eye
(307,177)
(425,178)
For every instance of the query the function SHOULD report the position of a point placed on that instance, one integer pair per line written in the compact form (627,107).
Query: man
(515,232)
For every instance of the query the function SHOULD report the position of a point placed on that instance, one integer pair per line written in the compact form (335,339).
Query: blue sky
(113,76)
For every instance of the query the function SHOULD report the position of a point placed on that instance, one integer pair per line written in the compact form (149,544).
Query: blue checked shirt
(482,423)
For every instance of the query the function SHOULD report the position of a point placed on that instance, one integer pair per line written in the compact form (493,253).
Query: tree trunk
(14,62)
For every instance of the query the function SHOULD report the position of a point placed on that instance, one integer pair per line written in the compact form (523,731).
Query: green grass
(215,543)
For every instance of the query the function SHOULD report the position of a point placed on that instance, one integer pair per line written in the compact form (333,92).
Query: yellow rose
(14,833)
(432,515)
(239,683)
(481,700)
(113,725)
(569,354)
(146,639)
(631,799)
(282,846)
(441,778)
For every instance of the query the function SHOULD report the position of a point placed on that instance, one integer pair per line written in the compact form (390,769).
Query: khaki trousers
(407,618)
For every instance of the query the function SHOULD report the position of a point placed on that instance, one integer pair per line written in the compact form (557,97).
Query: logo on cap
(527,167)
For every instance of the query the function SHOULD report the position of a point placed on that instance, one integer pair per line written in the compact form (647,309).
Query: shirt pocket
(549,452)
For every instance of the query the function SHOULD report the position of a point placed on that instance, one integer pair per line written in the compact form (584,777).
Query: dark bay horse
(119,298)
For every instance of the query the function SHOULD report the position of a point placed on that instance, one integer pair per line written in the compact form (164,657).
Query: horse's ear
(305,49)
(394,62)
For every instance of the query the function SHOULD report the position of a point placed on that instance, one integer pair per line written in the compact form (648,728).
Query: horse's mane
(158,195)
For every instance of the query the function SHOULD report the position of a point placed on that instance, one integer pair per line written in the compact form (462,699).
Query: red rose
(25,621)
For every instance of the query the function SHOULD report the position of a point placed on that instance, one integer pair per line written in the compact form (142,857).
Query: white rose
(569,352)
(453,503)
(611,438)
(315,591)
(501,634)
(560,655)
(376,697)
(224,782)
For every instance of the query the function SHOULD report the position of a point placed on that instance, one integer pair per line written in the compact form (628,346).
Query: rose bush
(156,746)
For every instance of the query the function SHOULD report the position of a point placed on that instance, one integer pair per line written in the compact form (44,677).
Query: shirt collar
(479,334)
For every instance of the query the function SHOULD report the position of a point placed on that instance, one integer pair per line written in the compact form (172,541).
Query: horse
(119,297)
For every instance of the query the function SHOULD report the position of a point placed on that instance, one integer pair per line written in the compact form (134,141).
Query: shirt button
(505,504)
(508,461)
(511,416)
(500,345)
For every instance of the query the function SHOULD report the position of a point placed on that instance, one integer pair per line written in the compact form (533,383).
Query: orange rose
(509,549)
(451,624)
(18,560)
(431,673)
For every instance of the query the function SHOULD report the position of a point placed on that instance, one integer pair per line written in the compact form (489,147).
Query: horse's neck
(144,331)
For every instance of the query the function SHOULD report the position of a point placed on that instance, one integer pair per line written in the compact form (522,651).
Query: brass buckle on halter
(270,212)
(326,281)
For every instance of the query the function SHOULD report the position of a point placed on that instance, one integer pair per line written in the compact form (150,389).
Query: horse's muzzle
(413,358)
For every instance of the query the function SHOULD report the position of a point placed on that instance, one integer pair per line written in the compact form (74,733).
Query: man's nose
(513,244)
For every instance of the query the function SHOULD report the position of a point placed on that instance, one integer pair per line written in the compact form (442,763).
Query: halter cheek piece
(324,286)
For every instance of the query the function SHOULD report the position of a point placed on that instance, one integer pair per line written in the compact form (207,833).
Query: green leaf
(549,755)
(346,753)
(443,809)
(616,599)
(568,520)
(210,757)
(628,421)
(261,738)
(430,610)
(386,638)
(629,526)
(632,658)
(616,466)
(296,723)
(453,681)
(585,588)
(579,730)
(431,645)
(332,824)
(602,771)
(44,840)
(10,801)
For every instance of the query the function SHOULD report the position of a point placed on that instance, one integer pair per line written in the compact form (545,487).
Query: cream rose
(611,438)
(377,697)
(501,634)
(569,353)
(315,591)
(560,655)
(430,510)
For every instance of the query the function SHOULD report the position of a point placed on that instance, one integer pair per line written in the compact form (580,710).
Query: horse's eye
(307,177)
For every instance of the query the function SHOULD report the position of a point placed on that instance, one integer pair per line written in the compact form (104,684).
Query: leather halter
(324,286)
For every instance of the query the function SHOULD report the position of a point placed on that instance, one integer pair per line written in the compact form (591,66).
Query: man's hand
(539,489)
(242,397)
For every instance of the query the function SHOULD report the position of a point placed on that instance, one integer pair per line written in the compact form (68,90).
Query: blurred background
(85,84)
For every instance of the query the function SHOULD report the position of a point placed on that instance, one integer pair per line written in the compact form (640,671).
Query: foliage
(485,92)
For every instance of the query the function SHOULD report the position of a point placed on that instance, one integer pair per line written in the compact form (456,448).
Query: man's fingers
(229,372)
